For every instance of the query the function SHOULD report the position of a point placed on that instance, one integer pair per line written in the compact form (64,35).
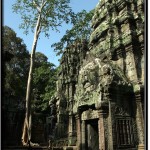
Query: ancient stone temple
(99,103)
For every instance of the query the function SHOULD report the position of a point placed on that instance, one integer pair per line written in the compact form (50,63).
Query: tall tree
(41,15)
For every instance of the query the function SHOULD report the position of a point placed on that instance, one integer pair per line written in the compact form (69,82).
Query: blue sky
(44,44)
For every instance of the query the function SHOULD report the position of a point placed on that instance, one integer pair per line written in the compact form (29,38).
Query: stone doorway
(92,134)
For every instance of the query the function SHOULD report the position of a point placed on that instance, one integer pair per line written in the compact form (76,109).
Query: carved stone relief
(130,67)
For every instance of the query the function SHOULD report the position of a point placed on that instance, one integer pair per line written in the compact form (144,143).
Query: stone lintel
(89,114)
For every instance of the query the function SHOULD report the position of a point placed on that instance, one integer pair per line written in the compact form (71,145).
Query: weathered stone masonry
(100,89)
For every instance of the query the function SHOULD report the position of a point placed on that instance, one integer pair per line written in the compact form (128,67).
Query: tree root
(30,144)
(34,144)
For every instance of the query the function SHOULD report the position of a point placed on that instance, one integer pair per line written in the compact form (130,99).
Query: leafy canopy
(81,30)
(16,65)
(44,78)
(53,13)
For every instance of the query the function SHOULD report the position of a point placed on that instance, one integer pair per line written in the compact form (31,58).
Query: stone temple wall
(62,102)
(100,90)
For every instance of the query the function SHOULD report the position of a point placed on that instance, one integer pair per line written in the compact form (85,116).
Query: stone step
(39,148)
(25,148)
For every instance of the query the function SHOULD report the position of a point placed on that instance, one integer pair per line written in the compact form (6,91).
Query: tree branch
(37,6)
(43,3)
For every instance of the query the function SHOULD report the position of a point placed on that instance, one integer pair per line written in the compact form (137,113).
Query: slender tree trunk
(26,135)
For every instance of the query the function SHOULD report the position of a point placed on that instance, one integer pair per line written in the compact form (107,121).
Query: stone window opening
(124,132)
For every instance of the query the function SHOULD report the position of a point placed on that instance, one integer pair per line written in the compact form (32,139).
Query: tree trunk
(25,140)
(26,135)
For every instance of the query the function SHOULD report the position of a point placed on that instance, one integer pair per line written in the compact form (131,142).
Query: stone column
(71,119)
(70,125)
(110,134)
(78,124)
(140,122)
(70,130)
(83,135)
(102,108)
(101,130)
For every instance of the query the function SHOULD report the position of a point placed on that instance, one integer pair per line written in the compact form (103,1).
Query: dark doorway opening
(92,134)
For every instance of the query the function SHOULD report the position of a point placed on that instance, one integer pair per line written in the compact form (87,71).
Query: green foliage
(81,30)
(40,59)
(53,13)
(16,72)
(16,65)
(44,78)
